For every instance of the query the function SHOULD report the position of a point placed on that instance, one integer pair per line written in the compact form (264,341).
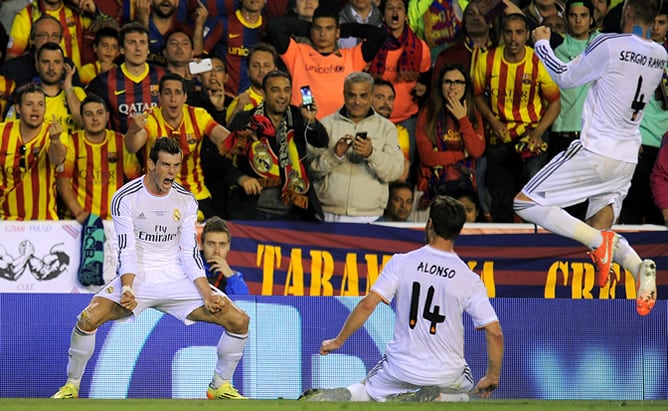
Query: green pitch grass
(10,404)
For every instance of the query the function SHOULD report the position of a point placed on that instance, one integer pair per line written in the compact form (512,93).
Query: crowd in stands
(409,99)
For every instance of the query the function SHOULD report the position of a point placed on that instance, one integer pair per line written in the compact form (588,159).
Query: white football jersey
(157,239)
(624,70)
(432,289)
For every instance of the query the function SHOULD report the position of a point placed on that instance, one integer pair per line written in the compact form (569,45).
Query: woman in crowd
(449,137)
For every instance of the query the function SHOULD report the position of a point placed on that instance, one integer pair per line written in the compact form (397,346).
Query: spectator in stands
(212,93)
(72,23)
(160,19)
(404,60)
(362,12)
(303,8)
(178,52)
(32,153)
(600,11)
(262,59)
(231,37)
(659,180)
(400,204)
(516,146)
(322,65)
(189,125)
(437,22)
(265,167)
(212,99)
(131,88)
(7,87)
(538,10)
(55,79)
(8,10)
(106,51)
(382,102)
(97,164)
(469,200)
(581,31)
(450,137)
(351,176)
(638,206)
(22,69)
(216,243)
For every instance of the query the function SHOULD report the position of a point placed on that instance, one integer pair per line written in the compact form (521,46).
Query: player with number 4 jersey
(624,70)
(432,288)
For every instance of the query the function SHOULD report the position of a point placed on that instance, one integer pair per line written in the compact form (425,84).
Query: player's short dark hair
(92,98)
(325,10)
(644,11)
(133,27)
(267,48)
(168,145)
(515,17)
(397,185)
(216,224)
(42,18)
(664,9)
(104,33)
(382,82)
(447,217)
(173,77)
(50,46)
(26,89)
(272,74)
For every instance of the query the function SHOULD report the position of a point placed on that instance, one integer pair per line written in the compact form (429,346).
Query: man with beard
(32,152)
(55,79)
(188,125)
(382,102)
(73,22)
(160,18)
(270,180)
(262,58)
(178,52)
(97,164)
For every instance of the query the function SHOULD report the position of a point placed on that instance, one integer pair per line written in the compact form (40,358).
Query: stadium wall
(555,349)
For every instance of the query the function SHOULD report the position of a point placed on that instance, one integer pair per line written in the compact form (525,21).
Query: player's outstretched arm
(355,320)
(490,381)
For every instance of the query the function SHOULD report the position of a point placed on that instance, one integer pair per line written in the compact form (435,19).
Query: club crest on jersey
(112,157)
(526,78)
(176,215)
(155,90)
(109,290)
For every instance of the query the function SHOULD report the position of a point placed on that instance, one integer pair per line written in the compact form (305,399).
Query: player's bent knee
(237,323)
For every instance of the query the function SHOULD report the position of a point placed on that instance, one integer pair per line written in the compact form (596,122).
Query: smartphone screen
(307,96)
(361,134)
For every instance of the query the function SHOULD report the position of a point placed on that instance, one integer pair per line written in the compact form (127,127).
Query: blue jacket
(234,285)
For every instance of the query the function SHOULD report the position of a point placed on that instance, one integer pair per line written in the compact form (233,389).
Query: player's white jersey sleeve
(124,227)
(577,72)
(192,259)
(624,70)
(431,290)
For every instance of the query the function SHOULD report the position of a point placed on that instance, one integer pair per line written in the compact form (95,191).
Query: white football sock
(627,257)
(82,345)
(559,222)
(230,349)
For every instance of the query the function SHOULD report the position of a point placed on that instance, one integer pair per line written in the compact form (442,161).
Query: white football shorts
(577,174)
(176,298)
(381,385)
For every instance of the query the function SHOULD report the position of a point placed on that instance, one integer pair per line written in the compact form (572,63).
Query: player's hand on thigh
(215,303)
(128,301)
